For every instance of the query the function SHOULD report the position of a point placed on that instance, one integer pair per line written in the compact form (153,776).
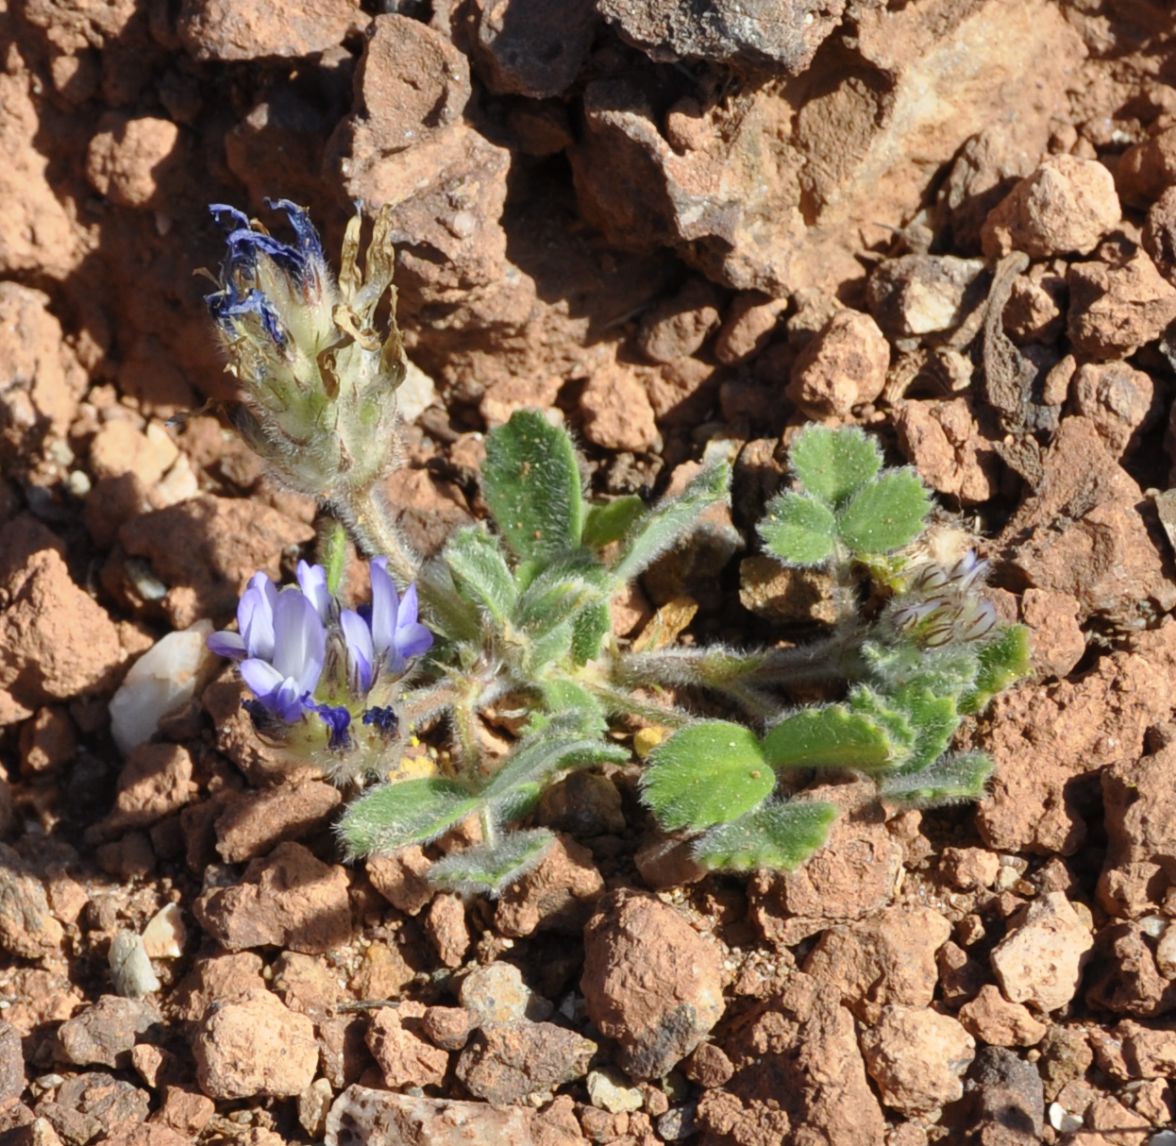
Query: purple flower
(286,679)
(397,635)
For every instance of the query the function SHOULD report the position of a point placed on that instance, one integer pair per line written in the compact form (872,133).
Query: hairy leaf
(947,780)
(491,868)
(829,737)
(574,705)
(532,483)
(609,521)
(1003,660)
(798,529)
(706,774)
(934,719)
(591,628)
(834,464)
(408,812)
(669,522)
(777,835)
(887,514)
(556,748)
(480,570)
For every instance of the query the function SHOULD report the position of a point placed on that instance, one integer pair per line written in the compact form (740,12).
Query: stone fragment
(533,48)
(405,1058)
(992,1019)
(257,822)
(306,984)
(782,595)
(1035,311)
(969,869)
(1129,1051)
(1041,958)
(1159,234)
(943,441)
(134,161)
(914,295)
(984,170)
(508,1062)
(751,322)
(164,935)
(616,413)
(1126,977)
(254,30)
(651,982)
(583,805)
(495,993)
(852,876)
(254,1047)
(162,681)
(217,979)
(27,926)
(85,1105)
(131,972)
(1065,207)
(677,327)
(445,925)
(104,1033)
(377,1117)
(917,1057)
(799,1075)
(47,742)
(400,878)
(1118,399)
(557,895)
(156,781)
(447,1027)
(286,899)
(1148,168)
(1117,307)
(383,972)
(886,958)
(843,366)
(1139,798)
(779,37)
(1009,1103)
(1058,640)
(12,1063)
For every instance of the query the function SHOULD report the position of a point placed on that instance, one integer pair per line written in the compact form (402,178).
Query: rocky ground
(952,221)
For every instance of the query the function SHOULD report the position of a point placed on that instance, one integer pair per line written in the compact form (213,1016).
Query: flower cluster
(941,606)
(317,380)
(305,656)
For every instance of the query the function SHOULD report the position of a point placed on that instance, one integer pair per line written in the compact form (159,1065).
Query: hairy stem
(621,702)
(368,519)
(331,550)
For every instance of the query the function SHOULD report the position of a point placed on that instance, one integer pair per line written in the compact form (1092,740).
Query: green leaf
(669,522)
(532,483)
(834,464)
(591,629)
(947,780)
(777,835)
(574,704)
(706,774)
(480,571)
(798,529)
(934,720)
(491,868)
(829,737)
(886,515)
(1006,658)
(609,521)
(549,649)
(408,812)
(540,756)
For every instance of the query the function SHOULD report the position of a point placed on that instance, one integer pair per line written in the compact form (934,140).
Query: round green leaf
(777,835)
(829,737)
(706,774)
(834,464)
(798,529)
(888,514)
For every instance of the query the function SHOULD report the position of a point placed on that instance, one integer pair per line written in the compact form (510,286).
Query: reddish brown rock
(287,899)
(532,48)
(750,324)
(1041,958)
(887,958)
(215,979)
(400,878)
(12,1064)
(495,993)
(970,868)
(1126,976)
(916,295)
(383,972)
(255,824)
(447,1027)
(1118,399)
(104,1033)
(677,326)
(651,982)
(851,876)
(254,1047)
(134,161)
(508,1062)
(48,741)
(992,1019)
(1129,1050)
(27,927)
(616,412)
(1058,640)
(944,442)
(445,925)
(558,895)
(1146,170)
(155,781)
(254,30)
(843,366)
(1159,234)
(1139,796)
(306,984)
(405,1058)
(917,1057)
(798,1075)
(1065,207)
(1117,307)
